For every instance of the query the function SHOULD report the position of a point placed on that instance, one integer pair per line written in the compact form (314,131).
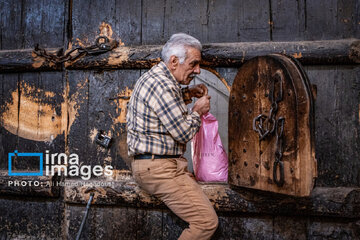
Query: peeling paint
(37,120)
(106,30)
(93,134)
(297,55)
(39,61)
(79,42)
(121,101)
(118,56)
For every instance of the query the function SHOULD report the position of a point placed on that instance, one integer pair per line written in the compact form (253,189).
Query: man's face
(186,71)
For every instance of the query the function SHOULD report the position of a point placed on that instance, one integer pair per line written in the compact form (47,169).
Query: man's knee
(211,223)
(214,223)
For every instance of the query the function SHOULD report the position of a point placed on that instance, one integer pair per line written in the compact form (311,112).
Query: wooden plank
(324,13)
(11,28)
(42,123)
(26,61)
(287,108)
(126,82)
(230,54)
(78,108)
(214,55)
(30,218)
(337,125)
(233,21)
(357,21)
(244,227)
(288,20)
(190,13)
(99,103)
(153,26)
(346,16)
(172,225)
(327,229)
(119,20)
(102,223)
(289,228)
(26,23)
(34,186)
(243,104)
(150,224)
(8,116)
(44,23)
(109,93)
(333,202)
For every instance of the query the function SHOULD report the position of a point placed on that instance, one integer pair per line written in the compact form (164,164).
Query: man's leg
(169,180)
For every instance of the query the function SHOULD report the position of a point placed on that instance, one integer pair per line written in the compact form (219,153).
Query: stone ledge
(331,202)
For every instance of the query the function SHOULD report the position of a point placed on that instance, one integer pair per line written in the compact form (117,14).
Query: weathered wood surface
(251,160)
(152,22)
(337,124)
(214,55)
(107,222)
(123,191)
(32,186)
(101,100)
(31,218)
(26,61)
(26,23)
(32,115)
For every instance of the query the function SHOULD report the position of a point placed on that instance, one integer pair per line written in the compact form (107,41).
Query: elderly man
(159,125)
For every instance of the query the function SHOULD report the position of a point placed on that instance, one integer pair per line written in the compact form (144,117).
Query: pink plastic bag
(209,156)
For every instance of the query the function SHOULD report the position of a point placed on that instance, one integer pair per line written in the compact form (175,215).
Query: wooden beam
(332,202)
(32,186)
(325,52)
(25,60)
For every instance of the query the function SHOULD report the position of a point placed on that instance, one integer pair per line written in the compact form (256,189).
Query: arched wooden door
(271,127)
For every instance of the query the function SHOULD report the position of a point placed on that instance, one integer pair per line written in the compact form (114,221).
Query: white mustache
(192,75)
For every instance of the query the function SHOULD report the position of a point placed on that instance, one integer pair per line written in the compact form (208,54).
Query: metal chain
(279,152)
(102,45)
(266,125)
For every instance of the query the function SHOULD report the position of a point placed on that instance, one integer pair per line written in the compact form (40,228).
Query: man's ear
(173,62)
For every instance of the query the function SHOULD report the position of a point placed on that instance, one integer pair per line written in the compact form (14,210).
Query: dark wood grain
(332,202)
(337,126)
(214,55)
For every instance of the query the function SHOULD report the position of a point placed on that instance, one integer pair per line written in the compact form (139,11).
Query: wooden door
(271,127)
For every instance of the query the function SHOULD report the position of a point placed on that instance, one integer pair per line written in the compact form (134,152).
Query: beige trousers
(170,180)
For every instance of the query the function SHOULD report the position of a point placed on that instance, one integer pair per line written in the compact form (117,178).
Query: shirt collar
(166,70)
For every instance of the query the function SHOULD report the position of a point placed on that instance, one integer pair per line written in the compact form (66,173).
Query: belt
(150,156)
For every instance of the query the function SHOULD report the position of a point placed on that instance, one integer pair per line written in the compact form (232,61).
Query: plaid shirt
(158,121)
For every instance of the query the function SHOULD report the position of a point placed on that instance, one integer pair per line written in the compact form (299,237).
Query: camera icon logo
(16,153)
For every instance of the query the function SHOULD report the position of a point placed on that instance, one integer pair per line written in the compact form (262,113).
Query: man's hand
(198,90)
(202,105)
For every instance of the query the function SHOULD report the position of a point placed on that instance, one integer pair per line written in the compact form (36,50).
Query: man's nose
(197,69)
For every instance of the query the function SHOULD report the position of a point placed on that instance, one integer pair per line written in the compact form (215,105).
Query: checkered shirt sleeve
(158,121)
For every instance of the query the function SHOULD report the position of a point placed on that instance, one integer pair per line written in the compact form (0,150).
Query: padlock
(102,139)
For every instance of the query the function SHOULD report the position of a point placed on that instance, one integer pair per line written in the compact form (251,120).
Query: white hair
(177,45)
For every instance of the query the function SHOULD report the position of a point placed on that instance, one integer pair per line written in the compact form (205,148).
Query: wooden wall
(74,104)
